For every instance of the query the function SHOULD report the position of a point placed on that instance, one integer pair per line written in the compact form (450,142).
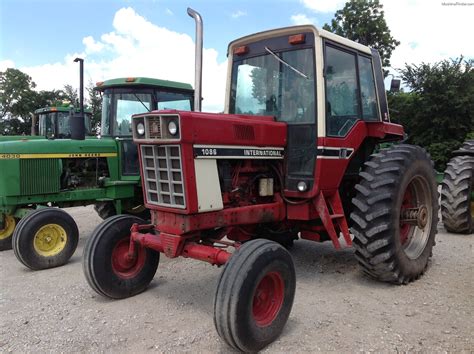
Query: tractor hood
(61,148)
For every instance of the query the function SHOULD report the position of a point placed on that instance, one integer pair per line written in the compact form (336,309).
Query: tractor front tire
(106,263)
(6,233)
(457,208)
(45,238)
(396,214)
(254,295)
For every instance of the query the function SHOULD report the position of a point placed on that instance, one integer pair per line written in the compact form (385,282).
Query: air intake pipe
(78,128)
(198,60)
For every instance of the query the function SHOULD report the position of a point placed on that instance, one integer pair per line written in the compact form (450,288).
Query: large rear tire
(395,214)
(457,206)
(254,295)
(45,238)
(107,267)
(6,233)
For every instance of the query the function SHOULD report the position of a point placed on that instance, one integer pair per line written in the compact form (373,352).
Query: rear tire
(254,295)
(6,233)
(45,238)
(393,242)
(106,266)
(457,208)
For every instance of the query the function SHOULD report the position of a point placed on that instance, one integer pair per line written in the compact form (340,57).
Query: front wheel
(7,232)
(254,295)
(396,214)
(45,238)
(107,265)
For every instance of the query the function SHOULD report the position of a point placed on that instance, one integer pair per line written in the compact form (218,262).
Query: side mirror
(395,85)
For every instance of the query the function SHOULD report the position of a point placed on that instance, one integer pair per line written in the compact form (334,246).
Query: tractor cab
(123,97)
(321,85)
(54,122)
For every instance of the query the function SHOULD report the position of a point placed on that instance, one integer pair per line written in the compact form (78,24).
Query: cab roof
(295,30)
(142,81)
(59,109)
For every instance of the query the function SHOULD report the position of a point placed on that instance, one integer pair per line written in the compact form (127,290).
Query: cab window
(172,100)
(342,96)
(367,89)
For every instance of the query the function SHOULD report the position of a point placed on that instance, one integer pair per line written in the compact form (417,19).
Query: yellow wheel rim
(472,209)
(7,231)
(50,240)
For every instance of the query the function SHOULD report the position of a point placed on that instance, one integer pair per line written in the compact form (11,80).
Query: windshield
(119,104)
(118,107)
(57,124)
(279,84)
(46,124)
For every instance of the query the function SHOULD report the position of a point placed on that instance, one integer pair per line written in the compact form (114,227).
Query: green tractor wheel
(45,238)
(7,232)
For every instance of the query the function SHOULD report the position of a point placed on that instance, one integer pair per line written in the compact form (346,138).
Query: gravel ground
(336,308)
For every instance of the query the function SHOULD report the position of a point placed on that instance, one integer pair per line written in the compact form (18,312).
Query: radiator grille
(163,174)
(39,176)
(154,127)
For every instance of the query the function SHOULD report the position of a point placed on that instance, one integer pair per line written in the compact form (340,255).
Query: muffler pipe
(78,128)
(198,59)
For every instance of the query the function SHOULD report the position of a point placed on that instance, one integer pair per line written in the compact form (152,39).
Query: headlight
(172,128)
(140,128)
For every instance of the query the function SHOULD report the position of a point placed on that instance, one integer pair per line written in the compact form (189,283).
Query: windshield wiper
(285,63)
(138,98)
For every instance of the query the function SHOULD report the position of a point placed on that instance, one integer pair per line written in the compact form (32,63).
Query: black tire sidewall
(233,304)
(100,260)
(412,267)
(246,326)
(23,238)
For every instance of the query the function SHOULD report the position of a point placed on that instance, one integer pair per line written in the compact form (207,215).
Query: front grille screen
(163,174)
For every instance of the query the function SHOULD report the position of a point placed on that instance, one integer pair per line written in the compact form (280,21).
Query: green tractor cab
(39,175)
(54,122)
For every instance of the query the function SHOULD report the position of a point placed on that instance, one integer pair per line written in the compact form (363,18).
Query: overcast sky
(155,38)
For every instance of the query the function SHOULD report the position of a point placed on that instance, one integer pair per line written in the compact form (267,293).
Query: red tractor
(294,156)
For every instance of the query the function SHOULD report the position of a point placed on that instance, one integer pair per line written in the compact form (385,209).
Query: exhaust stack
(78,128)
(198,59)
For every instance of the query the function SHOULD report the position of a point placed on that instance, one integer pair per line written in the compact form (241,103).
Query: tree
(363,21)
(16,101)
(95,103)
(70,94)
(437,113)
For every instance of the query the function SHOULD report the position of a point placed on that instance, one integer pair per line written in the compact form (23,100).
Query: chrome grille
(163,175)
(154,127)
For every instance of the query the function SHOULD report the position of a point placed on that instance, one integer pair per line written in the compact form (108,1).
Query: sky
(155,38)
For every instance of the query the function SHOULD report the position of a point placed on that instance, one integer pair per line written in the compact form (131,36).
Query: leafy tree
(363,21)
(16,97)
(95,103)
(71,95)
(437,113)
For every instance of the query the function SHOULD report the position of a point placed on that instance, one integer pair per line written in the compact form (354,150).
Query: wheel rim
(50,240)
(415,217)
(7,231)
(123,265)
(268,299)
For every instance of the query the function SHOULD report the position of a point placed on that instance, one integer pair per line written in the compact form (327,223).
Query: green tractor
(457,191)
(39,175)
(52,123)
